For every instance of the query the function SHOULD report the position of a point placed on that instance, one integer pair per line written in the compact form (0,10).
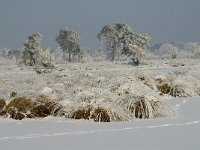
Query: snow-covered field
(99,83)
(182,132)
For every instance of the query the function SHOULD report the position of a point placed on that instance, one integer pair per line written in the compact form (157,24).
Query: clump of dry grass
(178,91)
(23,107)
(148,108)
(19,108)
(99,113)
(45,107)
(13,94)
(164,88)
(82,113)
(2,105)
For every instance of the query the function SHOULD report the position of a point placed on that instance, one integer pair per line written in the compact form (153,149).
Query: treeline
(118,39)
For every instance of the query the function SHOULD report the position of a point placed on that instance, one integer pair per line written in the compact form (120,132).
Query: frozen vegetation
(65,92)
(98,91)
(102,91)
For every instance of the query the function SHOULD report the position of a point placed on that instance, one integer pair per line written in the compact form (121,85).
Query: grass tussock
(177,91)
(98,113)
(23,107)
(45,107)
(19,108)
(148,108)
(2,104)
(164,88)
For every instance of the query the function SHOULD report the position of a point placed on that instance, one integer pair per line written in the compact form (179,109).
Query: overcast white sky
(163,20)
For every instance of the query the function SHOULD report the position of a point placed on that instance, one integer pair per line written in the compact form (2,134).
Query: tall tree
(120,36)
(110,35)
(69,42)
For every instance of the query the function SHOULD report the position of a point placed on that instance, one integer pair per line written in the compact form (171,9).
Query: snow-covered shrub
(45,63)
(31,49)
(4,61)
(168,50)
(58,56)
(179,84)
(42,70)
(147,78)
(192,49)
(162,84)
(184,86)
(195,72)
(55,91)
(144,107)
(34,55)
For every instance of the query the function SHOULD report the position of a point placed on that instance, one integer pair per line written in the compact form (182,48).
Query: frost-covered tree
(135,45)
(45,63)
(34,55)
(168,49)
(110,35)
(31,49)
(121,37)
(69,42)
(44,58)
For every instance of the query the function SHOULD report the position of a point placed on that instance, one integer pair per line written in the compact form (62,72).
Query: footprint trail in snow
(43,135)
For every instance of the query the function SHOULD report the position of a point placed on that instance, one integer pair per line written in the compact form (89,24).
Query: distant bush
(34,55)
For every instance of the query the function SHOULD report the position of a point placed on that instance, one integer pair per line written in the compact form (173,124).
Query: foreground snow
(182,132)
(95,83)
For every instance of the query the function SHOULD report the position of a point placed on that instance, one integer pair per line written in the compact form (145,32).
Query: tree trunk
(70,59)
(113,52)
(113,56)
(31,60)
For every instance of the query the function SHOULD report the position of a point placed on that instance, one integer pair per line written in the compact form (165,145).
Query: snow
(182,132)
(103,83)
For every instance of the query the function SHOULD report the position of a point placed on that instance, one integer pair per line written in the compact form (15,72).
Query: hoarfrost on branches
(31,49)
(120,37)
(69,42)
(34,55)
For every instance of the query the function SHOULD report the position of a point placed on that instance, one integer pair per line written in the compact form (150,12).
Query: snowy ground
(182,132)
(177,133)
